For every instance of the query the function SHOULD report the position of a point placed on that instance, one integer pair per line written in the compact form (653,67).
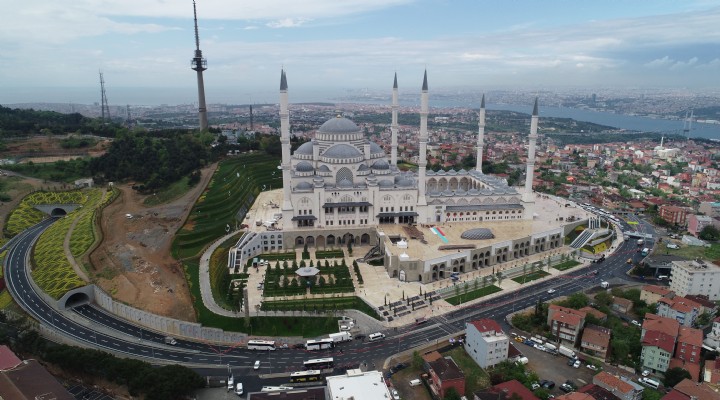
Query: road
(94,327)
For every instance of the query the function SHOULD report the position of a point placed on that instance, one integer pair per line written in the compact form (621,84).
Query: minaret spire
(287,207)
(199,64)
(530,171)
(394,124)
(481,136)
(423,138)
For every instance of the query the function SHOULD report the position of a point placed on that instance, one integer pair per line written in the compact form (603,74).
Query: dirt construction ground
(133,262)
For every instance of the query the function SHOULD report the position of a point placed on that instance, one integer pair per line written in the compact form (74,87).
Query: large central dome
(339,125)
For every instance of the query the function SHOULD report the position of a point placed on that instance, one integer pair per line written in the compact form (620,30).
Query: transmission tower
(199,64)
(104,108)
(687,123)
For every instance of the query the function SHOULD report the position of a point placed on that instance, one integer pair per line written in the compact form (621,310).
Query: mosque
(340,187)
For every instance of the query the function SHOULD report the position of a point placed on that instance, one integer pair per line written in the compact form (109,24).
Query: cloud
(684,64)
(287,23)
(660,62)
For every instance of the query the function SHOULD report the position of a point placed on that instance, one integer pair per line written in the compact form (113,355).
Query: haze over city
(330,47)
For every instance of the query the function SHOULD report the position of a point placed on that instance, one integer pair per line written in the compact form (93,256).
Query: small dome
(305,149)
(477,234)
(375,149)
(403,181)
(304,186)
(381,164)
(342,151)
(447,193)
(363,167)
(324,168)
(339,125)
(345,184)
(460,192)
(462,171)
(386,183)
(429,172)
(452,172)
(304,166)
(473,192)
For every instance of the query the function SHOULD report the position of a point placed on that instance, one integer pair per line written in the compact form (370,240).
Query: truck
(604,284)
(640,242)
(566,351)
(170,340)
(550,347)
(340,337)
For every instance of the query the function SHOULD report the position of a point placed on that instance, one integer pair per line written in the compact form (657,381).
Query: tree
(673,376)
(451,394)
(710,233)
(417,360)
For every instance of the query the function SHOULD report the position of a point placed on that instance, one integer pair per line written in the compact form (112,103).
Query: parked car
(592,367)
(395,394)
(576,364)
(566,388)
(634,322)
(548,384)
(400,366)
(571,362)
(239,388)
(535,386)
(415,382)
(646,373)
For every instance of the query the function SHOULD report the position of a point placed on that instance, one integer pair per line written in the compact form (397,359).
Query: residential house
(651,294)
(696,223)
(623,390)
(505,391)
(711,374)
(710,208)
(707,306)
(576,396)
(486,343)
(599,315)
(596,341)
(444,374)
(673,214)
(680,309)
(657,349)
(565,323)
(27,379)
(694,390)
(687,351)
(597,392)
(622,305)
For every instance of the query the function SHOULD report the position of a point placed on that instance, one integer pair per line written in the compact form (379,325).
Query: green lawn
(691,252)
(172,192)
(475,377)
(472,295)
(530,277)
(566,265)
(321,305)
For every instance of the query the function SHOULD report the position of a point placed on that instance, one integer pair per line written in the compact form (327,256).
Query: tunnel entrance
(77,299)
(58,212)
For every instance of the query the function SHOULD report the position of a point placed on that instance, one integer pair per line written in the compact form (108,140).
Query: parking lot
(554,368)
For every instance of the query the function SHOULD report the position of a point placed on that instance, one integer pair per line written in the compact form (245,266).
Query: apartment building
(486,342)
(696,278)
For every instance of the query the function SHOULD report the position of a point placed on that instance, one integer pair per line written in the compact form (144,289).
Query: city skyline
(330,46)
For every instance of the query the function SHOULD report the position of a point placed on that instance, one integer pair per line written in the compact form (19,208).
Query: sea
(170,96)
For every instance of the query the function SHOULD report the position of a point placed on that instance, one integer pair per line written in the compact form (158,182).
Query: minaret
(481,135)
(422,161)
(394,124)
(287,207)
(199,64)
(532,138)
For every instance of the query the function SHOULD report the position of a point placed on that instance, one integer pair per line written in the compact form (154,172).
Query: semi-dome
(304,186)
(305,148)
(363,167)
(381,164)
(477,234)
(386,183)
(304,166)
(339,125)
(324,168)
(404,182)
(375,149)
(343,151)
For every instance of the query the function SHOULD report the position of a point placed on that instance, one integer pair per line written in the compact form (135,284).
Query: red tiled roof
(699,390)
(693,369)
(596,335)
(486,325)
(662,291)
(690,336)
(8,359)
(567,310)
(675,395)
(660,340)
(657,323)
(514,386)
(594,312)
(570,319)
(613,382)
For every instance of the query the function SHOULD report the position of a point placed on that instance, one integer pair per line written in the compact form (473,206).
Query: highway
(94,327)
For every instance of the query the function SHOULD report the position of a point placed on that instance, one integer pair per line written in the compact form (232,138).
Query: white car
(535,386)
(551,291)
(576,364)
(672,246)
(395,394)
(257,365)
(239,389)
(592,367)
(634,322)
(646,373)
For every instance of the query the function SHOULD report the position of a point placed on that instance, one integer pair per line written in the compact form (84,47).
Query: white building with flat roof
(696,277)
(358,385)
(486,343)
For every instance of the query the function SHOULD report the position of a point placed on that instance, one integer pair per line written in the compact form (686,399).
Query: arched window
(343,173)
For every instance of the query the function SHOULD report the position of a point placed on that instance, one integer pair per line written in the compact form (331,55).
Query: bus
(261,345)
(319,363)
(306,376)
(321,344)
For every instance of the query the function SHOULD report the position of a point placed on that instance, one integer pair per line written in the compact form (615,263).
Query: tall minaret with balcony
(287,207)
(394,124)
(527,196)
(199,64)
(422,160)
(481,135)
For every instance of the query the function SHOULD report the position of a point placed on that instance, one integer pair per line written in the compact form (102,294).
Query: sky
(52,48)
